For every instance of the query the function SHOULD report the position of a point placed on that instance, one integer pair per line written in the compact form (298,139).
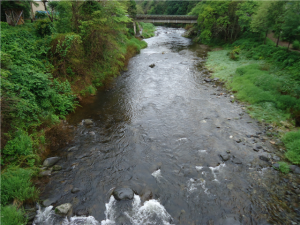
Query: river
(160,131)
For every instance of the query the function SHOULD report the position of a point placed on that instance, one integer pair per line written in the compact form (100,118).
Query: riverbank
(37,94)
(268,86)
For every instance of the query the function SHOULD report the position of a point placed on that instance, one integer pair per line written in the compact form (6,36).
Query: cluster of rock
(49,166)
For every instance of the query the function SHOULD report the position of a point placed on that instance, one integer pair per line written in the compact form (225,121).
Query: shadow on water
(161,131)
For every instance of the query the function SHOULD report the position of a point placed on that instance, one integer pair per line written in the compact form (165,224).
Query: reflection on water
(161,130)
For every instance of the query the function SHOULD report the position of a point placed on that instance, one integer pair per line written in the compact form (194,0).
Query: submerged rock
(57,168)
(75,190)
(50,161)
(63,209)
(146,196)
(295,169)
(236,161)
(225,157)
(88,122)
(82,212)
(123,193)
(50,201)
(152,65)
(264,158)
(45,173)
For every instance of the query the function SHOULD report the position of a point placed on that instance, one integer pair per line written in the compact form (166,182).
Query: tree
(260,21)
(53,5)
(132,9)
(244,11)
(275,16)
(291,26)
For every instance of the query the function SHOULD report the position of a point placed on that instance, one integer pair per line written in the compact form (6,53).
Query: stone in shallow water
(123,193)
(225,157)
(75,190)
(88,122)
(63,209)
(50,161)
(57,168)
(236,161)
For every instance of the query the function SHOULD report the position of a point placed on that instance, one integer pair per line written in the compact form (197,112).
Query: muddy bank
(175,138)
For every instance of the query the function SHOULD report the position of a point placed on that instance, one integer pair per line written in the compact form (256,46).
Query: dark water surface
(161,130)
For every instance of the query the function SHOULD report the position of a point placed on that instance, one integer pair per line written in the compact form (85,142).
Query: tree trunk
(288,46)
(51,19)
(266,37)
(278,40)
(32,14)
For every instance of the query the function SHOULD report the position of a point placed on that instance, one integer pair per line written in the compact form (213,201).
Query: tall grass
(292,143)
(10,215)
(148,29)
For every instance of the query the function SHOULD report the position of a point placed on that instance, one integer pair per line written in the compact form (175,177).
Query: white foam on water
(47,216)
(198,168)
(109,212)
(216,169)
(151,212)
(157,174)
(193,184)
(202,151)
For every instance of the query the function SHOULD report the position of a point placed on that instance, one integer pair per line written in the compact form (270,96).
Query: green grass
(10,215)
(148,29)
(16,185)
(292,143)
(253,84)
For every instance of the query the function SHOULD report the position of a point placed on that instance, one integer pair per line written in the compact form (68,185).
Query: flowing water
(160,131)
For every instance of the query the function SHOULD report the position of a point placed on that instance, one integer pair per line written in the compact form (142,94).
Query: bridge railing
(165,17)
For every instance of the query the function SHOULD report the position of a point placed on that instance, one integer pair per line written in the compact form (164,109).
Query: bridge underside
(165,21)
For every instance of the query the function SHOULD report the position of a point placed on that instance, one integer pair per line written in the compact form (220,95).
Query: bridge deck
(165,18)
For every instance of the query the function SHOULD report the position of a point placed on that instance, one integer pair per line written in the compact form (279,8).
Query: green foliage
(292,143)
(15,184)
(10,215)
(296,45)
(20,145)
(284,167)
(148,29)
(234,53)
(63,24)
(43,27)
(217,20)
(90,90)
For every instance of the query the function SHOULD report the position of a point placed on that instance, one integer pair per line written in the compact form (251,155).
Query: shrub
(15,184)
(4,25)
(234,53)
(148,29)
(43,27)
(20,145)
(10,215)
(284,167)
(296,45)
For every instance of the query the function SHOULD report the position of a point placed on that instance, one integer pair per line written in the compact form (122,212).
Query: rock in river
(63,209)
(88,122)
(75,190)
(123,193)
(50,161)
(225,157)
(57,168)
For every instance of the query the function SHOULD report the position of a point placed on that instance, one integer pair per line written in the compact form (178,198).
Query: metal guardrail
(165,17)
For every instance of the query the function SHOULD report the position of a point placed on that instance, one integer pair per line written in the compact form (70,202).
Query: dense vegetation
(45,66)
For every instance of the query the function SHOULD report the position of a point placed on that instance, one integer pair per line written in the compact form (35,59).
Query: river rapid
(160,131)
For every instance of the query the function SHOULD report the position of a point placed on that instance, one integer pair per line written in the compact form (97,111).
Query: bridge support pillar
(134,28)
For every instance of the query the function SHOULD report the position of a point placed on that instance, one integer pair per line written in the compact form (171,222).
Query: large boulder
(123,193)
(50,161)
(63,209)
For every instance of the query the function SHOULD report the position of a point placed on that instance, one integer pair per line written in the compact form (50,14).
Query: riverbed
(181,142)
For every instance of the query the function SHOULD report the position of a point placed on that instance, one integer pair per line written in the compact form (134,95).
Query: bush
(296,45)
(43,28)
(234,53)
(20,145)
(16,185)
(148,29)
(10,215)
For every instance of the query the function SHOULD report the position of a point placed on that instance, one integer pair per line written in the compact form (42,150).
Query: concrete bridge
(163,19)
